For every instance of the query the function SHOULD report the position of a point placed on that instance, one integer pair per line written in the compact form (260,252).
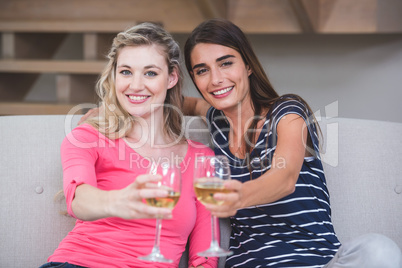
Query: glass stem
(214,242)
(157,235)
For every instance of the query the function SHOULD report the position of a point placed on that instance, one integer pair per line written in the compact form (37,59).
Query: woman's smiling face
(221,75)
(142,79)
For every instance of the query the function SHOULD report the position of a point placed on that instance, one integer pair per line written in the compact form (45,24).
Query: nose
(136,82)
(216,77)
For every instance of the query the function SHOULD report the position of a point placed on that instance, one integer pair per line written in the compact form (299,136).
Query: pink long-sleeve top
(90,157)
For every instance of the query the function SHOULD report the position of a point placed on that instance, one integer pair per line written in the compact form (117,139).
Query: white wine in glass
(210,173)
(171,181)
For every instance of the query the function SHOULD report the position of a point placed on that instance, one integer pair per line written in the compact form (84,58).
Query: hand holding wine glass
(129,200)
(171,182)
(210,174)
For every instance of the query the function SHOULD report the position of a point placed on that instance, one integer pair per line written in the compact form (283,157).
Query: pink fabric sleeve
(79,152)
(200,237)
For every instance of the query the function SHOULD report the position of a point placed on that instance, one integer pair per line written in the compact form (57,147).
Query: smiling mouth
(222,91)
(137,98)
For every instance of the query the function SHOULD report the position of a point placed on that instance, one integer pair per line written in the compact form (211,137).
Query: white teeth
(137,98)
(220,92)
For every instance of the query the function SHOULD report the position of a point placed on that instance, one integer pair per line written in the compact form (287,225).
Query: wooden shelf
(34,33)
(181,16)
(52,66)
(65,26)
(24,108)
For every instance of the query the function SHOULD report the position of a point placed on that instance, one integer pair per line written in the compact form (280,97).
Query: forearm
(272,186)
(195,106)
(268,188)
(280,180)
(90,203)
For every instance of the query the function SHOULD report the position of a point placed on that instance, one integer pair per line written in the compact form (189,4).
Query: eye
(226,63)
(200,71)
(125,72)
(151,73)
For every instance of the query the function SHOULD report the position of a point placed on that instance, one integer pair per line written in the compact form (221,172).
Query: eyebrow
(217,60)
(152,66)
(123,66)
(145,67)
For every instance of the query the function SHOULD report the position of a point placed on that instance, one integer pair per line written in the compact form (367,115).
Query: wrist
(109,204)
(244,195)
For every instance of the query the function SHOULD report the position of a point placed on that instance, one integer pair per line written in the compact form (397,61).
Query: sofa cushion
(362,160)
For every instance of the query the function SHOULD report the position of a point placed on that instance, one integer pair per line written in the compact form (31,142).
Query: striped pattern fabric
(295,231)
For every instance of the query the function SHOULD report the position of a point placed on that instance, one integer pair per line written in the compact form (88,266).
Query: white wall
(363,73)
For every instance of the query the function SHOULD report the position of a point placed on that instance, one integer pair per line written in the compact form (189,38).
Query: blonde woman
(106,158)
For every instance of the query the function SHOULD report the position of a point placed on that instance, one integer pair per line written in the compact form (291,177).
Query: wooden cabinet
(32,31)
(28,50)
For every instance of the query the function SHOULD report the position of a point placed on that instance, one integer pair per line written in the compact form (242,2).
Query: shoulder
(84,136)
(290,103)
(84,131)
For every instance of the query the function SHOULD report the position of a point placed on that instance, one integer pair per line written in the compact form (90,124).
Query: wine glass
(171,181)
(210,173)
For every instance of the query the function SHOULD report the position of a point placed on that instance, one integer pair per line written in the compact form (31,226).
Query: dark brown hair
(225,33)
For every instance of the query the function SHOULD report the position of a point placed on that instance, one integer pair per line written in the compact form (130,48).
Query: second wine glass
(171,181)
(210,173)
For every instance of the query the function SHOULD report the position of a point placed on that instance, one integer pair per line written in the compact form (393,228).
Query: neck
(239,118)
(148,132)
(150,141)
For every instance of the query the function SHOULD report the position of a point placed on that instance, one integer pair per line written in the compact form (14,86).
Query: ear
(173,78)
(249,71)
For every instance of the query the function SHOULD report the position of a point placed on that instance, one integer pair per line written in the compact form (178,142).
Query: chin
(134,113)
(223,106)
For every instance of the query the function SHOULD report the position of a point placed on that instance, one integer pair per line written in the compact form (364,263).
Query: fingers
(142,180)
(146,187)
(232,200)
(144,211)
(149,212)
(232,197)
(222,211)
(134,206)
(128,203)
(143,188)
(233,184)
(152,193)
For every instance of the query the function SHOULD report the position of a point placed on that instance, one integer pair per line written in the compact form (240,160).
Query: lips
(222,92)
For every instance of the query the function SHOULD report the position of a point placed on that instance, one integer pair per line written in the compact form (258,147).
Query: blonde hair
(116,121)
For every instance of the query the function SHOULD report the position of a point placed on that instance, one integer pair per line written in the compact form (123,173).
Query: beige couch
(362,161)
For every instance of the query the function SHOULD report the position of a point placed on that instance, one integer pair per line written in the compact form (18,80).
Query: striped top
(295,231)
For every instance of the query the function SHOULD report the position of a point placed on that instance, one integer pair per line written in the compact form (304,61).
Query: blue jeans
(368,251)
(60,265)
